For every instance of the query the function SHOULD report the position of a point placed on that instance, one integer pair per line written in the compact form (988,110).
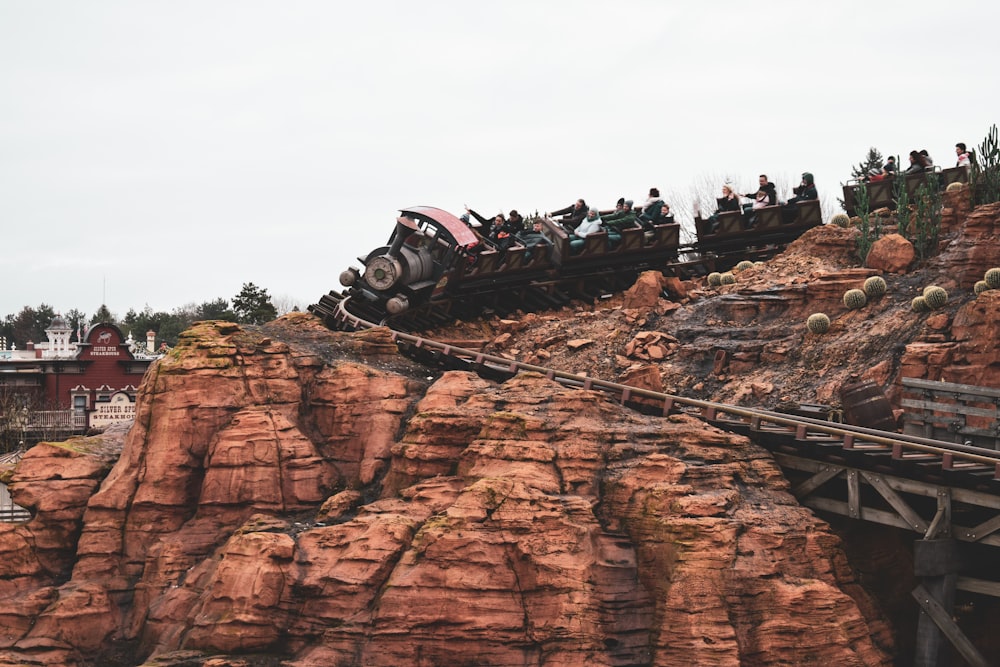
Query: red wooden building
(89,382)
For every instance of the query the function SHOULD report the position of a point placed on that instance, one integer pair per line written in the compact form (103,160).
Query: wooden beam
(950,629)
(900,484)
(941,524)
(853,494)
(981,586)
(984,529)
(816,481)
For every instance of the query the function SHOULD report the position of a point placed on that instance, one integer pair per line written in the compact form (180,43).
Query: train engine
(425,251)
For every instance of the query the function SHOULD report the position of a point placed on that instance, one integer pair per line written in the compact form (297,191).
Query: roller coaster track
(976,466)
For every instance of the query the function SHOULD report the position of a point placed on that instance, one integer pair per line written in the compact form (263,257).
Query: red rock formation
(461,522)
(892,253)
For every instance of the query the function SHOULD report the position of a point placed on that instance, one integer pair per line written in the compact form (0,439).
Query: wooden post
(937,563)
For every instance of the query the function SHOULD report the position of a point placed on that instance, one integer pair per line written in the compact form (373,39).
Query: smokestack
(151,341)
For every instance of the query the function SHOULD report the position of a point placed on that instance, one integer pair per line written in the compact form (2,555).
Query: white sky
(164,153)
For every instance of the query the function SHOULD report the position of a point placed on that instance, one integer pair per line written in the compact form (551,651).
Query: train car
(883,194)
(434,268)
(757,234)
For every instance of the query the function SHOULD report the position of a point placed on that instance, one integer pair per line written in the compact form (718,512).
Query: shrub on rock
(840,220)
(854,299)
(935,296)
(818,323)
(875,287)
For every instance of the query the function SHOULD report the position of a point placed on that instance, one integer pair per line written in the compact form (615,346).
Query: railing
(55,419)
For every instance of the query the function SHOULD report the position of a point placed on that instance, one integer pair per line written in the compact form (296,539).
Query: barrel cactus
(728,278)
(818,323)
(935,296)
(854,299)
(875,287)
(919,305)
(952,187)
(714,279)
(840,220)
(992,278)
(980,287)
(758,264)
(744,265)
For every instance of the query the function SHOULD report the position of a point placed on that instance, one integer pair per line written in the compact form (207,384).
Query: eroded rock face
(521,523)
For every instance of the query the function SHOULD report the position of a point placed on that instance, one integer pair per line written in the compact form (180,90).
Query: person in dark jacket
(572,215)
(770,194)
(806,190)
(616,222)
(651,210)
(533,238)
(918,163)
(500,229)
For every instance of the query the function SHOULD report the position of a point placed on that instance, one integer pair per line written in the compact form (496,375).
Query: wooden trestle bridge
(946,493)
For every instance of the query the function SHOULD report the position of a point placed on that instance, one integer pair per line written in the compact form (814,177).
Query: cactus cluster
(854,299)
(980,287)
(875,287)
(818,323)
(744,265)
(919,305)
(935,296)
(952,187)
(714,279)
(992,278)
(728,278)
(840,220)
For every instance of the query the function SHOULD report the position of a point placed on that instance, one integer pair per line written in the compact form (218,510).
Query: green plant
(992,278)
(935,296)
(984,172)
(919,305)
(870,231)
(980,287)
(902,203)
(854,299)
(840,220)
(744,265)
(727,278)
(875,287)
(818,323)
(925,226)
(714,279)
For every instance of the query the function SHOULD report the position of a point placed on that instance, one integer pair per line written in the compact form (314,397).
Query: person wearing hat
(805,191)
(616,222)
(590,225)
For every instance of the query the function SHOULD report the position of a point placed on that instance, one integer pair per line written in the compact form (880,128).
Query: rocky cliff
(292,496)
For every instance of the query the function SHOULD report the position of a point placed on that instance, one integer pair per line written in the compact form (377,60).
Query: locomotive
(434,268)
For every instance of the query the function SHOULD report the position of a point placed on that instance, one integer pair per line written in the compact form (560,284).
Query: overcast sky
(165,153)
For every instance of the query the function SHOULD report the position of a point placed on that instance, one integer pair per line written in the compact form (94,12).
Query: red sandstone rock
(891,253)
(514,520)
(646,291)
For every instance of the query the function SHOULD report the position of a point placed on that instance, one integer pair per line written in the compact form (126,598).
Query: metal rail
(804,430)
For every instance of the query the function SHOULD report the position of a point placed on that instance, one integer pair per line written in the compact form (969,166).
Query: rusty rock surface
(307,496)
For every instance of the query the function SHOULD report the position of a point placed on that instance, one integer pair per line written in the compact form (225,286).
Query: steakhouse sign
(119,408)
